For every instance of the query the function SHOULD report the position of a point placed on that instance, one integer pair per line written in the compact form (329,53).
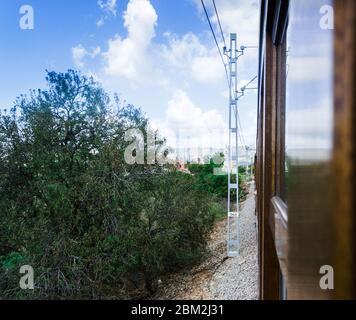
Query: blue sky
(157,54)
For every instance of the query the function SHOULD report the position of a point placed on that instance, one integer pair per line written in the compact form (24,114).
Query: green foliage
(214,184)
(91,225)
(218,211)
(11,261)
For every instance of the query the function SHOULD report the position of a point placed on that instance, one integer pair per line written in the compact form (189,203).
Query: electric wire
(243,141)
(218,18)
(241,135)
(216,42)
(245,86)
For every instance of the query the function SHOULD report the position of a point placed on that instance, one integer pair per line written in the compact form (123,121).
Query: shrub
(217,185)
(89,224)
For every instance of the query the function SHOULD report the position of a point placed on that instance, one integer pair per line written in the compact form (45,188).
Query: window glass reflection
(309,73)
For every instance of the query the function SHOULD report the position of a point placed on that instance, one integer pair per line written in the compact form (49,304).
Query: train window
(309,84)
(306,134)
(309,142)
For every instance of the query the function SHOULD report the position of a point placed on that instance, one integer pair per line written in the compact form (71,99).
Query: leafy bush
(217,185)
(89,224)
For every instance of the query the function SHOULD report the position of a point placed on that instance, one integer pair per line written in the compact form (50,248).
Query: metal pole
(233,241)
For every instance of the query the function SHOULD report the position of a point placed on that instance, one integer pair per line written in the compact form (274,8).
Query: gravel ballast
(237,278)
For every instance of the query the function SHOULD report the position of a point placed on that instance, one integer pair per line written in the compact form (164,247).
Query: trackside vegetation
(91,225)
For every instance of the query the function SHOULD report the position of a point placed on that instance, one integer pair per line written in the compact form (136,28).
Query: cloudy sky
(156,54)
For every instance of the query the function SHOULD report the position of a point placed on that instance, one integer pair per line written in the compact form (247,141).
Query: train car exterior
(306,149)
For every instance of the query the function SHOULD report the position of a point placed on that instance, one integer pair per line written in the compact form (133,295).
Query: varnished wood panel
(344,149)
(270,266)
(280,119)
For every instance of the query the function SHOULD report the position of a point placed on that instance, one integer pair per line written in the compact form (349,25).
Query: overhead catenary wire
(216,42)
(241,135)
(242,90)
(249,47)
(246,85)
(240,131)
(218,18)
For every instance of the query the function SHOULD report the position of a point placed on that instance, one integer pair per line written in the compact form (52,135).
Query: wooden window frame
(344,159)
(270,143)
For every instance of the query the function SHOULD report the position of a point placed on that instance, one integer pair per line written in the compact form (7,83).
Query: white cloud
(190,126)
(125,57)
(79,53)
(110,9)
(190,56)
(207,69)
(302,69)
(187,55)
(180,52)
(239,17)
(108,6)
(308,126)
(100,22)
